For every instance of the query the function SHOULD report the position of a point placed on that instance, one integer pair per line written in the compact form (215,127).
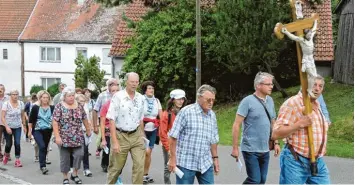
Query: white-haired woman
(13,118)
(68,118)
(40,126)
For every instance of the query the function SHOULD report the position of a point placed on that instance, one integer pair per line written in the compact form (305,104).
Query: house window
(4,54)
(47,82)
(105,58)
(50,54)
(83,51)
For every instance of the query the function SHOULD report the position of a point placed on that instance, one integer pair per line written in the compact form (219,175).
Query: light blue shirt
(323,108)
(195,133)
(44,119)
(256,125)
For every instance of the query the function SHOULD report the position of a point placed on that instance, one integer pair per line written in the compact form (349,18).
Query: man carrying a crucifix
(292,124)
(307,46)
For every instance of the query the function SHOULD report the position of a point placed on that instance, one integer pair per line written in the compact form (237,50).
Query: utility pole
(198,45)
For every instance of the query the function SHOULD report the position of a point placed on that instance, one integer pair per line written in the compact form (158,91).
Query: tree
(53,89)
(245,39)
(88,70)
(36,88)
(163,49)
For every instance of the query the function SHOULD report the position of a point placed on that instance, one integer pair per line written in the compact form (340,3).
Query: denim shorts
(151,136)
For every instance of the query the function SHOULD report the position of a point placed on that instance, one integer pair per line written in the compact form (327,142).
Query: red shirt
(103,112)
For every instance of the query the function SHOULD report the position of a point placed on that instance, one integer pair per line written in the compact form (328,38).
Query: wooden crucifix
(306,73)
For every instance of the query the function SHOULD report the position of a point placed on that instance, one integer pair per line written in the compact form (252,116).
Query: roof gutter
(66,41)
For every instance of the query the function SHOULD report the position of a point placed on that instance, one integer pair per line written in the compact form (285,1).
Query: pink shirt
(103,112)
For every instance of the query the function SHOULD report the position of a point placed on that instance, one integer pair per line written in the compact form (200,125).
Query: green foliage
(36,88)
(245,33)
(81,72)
(88,70)
(164,49)
(53,89)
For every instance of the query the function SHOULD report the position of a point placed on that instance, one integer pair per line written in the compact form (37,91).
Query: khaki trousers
(134,144)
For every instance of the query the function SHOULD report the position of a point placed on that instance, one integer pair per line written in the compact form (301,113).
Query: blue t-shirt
(44,120)
(256,125)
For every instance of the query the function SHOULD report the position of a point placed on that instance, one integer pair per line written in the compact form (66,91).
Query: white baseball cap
(177,94)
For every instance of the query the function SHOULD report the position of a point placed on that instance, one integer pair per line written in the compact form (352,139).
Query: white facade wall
(10,69)
(118,62)
(35,69)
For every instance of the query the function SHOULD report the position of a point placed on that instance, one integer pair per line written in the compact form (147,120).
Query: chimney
(81,2)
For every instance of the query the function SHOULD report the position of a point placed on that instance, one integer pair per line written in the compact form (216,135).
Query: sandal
(66,181)
(76,179)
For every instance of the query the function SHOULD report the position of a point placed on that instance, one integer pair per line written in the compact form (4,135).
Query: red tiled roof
(134,11)
(63,20)
(324,38)
(14,15)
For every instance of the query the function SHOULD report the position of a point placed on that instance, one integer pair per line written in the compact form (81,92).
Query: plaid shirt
(291,112)
(195,133)
(101,100)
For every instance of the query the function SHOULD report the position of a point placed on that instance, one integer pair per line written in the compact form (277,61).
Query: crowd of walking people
(128,122)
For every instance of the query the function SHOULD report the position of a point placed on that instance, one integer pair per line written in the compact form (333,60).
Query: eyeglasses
(209,100)
(15,94)
(269,84)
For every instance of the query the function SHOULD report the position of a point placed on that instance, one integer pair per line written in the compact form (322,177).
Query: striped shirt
(195,133)
(290,113)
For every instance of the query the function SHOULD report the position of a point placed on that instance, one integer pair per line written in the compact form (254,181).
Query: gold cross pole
(298,26)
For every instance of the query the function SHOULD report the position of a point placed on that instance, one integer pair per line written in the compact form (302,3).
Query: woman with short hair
(68,118)
(13,118)
(152,109)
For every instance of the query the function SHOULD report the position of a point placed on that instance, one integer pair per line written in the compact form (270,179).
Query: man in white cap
(194,138)
(176,102)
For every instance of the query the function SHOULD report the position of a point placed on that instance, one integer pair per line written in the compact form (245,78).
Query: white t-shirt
(13,115)
(151,111)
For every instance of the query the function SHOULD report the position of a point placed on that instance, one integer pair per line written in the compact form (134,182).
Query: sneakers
(36,159)
(147,179)
(48,161)
(44,170)
(87,173)
(5,159)
(18,163)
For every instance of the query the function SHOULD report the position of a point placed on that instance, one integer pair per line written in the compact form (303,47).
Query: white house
(14,15)
(57,31)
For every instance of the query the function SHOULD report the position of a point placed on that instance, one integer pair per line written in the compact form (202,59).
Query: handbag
(271,142)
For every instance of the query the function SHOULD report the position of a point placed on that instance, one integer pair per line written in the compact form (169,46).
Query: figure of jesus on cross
(307,47)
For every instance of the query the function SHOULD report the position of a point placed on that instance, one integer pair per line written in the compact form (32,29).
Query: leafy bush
(36,88)
(53,89)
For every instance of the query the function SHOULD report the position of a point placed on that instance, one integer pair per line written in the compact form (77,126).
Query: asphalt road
(341,170)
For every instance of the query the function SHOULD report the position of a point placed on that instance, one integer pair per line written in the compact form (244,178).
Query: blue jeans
(257,165)
(151,136)
(42,138)
(293,172)
(16,133)
(189,176)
